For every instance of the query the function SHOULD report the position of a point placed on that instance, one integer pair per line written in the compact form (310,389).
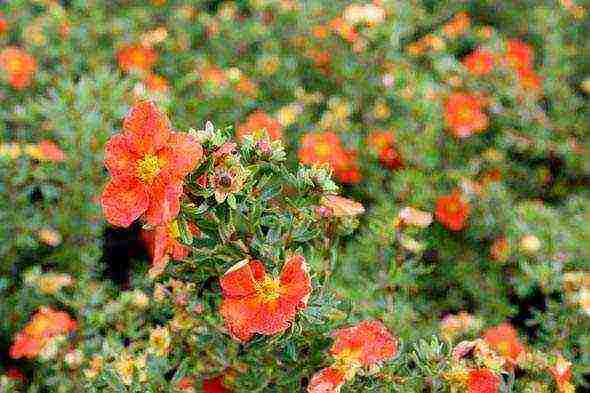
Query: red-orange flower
(255,302)
(215,385)
(45,325)
(3,24)
(363,345)
(344,29)
(368,343)
(382,144)
(480,62)
(327,380)
(50,151)
(562,373)
(326,148)
(162,244)
(18,66)
(483,381)
(259,121)
(504,339)
(148,163)
(137,58)
(452,211)
(518,55)
(530,81)
(156,83)
(464,115)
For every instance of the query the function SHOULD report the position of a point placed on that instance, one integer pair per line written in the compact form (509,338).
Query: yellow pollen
(149,167)
(268,289)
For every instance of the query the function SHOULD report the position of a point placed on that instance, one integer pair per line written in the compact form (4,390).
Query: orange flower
(214,76)
(464,115)
(367,343)
(162,243)
(3,24)
(364,345)
(518,55)
(457,26)
(483,381)
(480,62)
(325,148)
(19,67)
(215,385)
(530,81)
(504,339)
(148,163)
(328,380)
(45,325)
(50,151)
(382,144)
(258,121)
(255,302)
(137,58)
(156,83)
(452,211)
(344,29)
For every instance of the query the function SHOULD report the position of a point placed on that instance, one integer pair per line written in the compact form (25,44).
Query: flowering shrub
(394,198)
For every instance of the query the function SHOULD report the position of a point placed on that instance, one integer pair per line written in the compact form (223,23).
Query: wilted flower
(227,179)
(483,381)
(259,121)
(160,341)
(255,302)
(452,211)
(369,14)
(562,374)
(464,115)
(414,217)
(504,339)
(18,66)
(45,326)
(342,207)
(529,244)
(52,283)
(50,236)
(136,58)
(74,358)
(125,367)
(148,163)
(453,325)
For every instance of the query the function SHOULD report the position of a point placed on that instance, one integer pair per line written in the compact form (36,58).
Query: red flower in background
(464,115)
(215,385)
(483,381)
(452,211)
(382,144)
(504,339)
(18,66)
(136,58)
(50,151)
(258,121)
(148,163)
(480,62)
(519,55)
(328,380)
(255,302)
(156,83)
(162,244)
(326,148)
(45,325)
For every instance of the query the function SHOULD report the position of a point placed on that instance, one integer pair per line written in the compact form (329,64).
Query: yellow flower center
(149,167)
(322,150)
(173,230)
(347,361)
(268,289)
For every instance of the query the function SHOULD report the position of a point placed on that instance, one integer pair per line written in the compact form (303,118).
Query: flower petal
(237,314)
(327,380)
(240,280)
(182,154)
(119,159)
(124,200)
(295,282)
(164,200)
(148,128)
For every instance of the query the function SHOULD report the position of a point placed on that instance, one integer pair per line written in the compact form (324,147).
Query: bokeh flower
(480,62)
(148,163)
(504,339)
(452,211)
(255,302)
(45,326)
(483,381)
(257,122)
(464,115)
(136,58)
(18,67)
